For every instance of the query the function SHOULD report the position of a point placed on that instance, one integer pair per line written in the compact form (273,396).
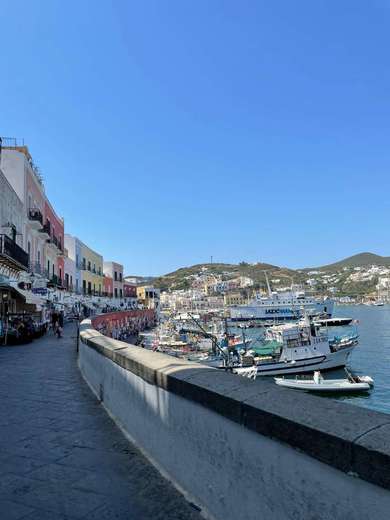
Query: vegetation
(281,276)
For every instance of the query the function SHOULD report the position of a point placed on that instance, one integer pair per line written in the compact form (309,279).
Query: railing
(12,142)
(11,250)
(36,215)
(46,228)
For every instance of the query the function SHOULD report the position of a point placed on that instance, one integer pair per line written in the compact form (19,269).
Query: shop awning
(29,297)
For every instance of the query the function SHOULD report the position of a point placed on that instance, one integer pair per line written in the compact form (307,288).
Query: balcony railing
(14,255)
(35,215)
(46,228)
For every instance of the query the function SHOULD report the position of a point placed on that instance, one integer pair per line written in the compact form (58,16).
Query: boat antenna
(268,285)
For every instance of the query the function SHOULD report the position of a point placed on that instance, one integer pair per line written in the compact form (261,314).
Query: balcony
(55,281)
(46,230)
(12,255)
(35,218)
(57,243)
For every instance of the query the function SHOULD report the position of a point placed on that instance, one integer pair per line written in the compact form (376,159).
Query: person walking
(60,324)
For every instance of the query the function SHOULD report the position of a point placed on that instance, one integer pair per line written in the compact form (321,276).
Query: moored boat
(318,384)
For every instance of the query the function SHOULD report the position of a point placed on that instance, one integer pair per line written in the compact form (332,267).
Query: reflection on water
(371,357)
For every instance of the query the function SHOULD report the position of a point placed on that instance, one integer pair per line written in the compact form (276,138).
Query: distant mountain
(359,260)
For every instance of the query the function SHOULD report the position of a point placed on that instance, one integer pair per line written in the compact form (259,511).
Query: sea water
(371,357)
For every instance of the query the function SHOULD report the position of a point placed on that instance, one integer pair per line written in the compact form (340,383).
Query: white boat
(319,384)
(302,347)
(288,305)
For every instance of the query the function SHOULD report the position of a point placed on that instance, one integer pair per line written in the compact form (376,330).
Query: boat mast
(268,285)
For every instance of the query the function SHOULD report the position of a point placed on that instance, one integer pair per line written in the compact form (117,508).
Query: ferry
(288,305)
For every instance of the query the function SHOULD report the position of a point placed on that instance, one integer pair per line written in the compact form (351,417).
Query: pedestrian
(54,321)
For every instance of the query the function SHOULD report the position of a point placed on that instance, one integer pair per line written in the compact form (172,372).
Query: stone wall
(242,450)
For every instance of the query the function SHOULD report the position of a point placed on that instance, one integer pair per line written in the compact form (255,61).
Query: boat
(318,384)
(301,347)
(333,322)
(288,305)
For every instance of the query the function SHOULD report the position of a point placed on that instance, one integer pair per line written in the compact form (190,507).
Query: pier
(61,456)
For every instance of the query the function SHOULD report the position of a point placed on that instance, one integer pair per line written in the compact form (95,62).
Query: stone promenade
(61,456)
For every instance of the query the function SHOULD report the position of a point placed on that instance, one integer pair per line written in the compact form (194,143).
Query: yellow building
(91,270)
(148,296)
(236,298)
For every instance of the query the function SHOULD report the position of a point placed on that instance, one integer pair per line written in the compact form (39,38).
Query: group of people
(126,329)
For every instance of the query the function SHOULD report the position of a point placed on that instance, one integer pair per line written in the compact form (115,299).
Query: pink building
(54,256)
(108,286)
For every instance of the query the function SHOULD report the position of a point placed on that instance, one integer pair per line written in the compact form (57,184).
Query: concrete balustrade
(239,449)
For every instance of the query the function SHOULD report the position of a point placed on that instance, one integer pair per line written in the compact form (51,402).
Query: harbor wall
(239,449)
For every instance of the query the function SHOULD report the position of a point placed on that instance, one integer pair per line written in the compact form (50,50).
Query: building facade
(108,286)
(24,177)
(89,266)
(54,247)
(115,271)
(130,294)
(148,297)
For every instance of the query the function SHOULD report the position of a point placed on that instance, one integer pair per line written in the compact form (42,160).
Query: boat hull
(324,386)
(324,362)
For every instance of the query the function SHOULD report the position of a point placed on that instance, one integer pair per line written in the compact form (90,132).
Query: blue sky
(170,131)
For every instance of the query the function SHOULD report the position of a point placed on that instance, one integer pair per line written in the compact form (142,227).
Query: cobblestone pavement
(61,456)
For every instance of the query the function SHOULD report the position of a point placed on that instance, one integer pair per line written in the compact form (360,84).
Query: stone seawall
(239,450)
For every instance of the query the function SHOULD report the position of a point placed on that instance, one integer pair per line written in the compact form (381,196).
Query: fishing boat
(288,305)
(318,384)
(300,347)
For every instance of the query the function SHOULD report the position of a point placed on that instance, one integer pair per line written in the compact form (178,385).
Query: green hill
(181,278)
(359,260)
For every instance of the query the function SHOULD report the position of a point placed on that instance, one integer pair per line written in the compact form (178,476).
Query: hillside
(359,260)
(181,278)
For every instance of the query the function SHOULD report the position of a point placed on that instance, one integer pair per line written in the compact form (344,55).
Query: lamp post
(4,299)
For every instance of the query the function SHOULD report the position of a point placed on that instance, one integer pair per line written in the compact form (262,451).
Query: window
(39,257)
(84,263)
(115,276)
(89,265)
(120,277)
(29,249)
(121,293)
(116,292)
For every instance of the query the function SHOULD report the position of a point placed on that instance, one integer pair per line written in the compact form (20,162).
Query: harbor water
(371,357)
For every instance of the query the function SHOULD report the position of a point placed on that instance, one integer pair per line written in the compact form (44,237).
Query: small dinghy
(319,384)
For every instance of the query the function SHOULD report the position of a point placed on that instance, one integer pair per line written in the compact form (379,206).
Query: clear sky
(170,131)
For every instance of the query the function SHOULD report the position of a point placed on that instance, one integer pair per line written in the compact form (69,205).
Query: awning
(29,297)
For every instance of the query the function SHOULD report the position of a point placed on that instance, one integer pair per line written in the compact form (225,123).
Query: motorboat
(318,384)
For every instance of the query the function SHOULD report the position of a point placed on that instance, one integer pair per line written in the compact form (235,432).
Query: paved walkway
(61,456)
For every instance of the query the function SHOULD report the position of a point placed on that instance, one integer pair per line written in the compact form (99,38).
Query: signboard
(39,290)
(39,283)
